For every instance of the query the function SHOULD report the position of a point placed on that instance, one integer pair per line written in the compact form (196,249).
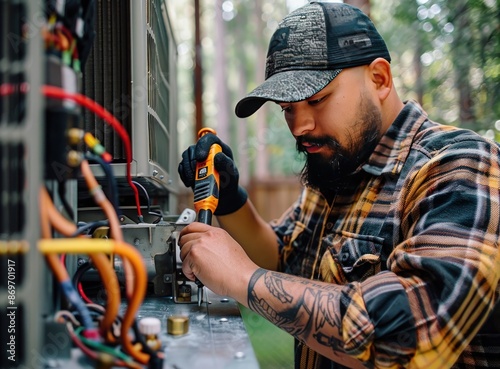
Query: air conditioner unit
(131,71)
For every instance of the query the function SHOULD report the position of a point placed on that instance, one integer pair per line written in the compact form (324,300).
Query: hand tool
(206,190)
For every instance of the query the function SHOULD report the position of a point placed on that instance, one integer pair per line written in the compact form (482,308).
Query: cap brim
(288,86)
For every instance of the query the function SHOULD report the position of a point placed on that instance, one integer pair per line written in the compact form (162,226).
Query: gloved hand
(231,195)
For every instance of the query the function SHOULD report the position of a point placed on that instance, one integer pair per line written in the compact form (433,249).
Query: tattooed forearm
(304,308)
(275,286)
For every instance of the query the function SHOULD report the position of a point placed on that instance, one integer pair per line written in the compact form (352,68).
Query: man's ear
(381,77)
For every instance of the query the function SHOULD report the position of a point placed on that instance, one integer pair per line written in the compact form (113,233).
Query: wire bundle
(101,333)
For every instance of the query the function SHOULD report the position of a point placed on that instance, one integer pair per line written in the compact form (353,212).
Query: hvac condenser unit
(131,71)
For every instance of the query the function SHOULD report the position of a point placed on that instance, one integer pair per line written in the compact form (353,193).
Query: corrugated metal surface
(108,78)
(107,73)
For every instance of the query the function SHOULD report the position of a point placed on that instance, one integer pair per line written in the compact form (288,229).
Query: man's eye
(317,101)
(286,109)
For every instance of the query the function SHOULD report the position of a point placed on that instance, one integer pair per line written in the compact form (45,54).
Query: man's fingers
(188,272)
(193,228)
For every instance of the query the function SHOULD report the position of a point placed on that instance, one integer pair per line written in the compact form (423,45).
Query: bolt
(74,158)
(155,173)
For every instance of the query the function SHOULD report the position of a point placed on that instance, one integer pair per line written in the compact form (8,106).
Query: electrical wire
(106,272)
(97,356)
(88,228)
(101,200)
(63,315)
(82,293)
(59,269)
(76,280)
(102,348)
(89,246)
(112,185)
(61,191)
(114,222)
(110,282)
(7,89)
(146,194)
(100,111)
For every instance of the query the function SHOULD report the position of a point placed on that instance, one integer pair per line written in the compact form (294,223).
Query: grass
(272,346)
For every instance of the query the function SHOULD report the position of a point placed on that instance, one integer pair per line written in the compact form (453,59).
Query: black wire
(80,271)
(61,191)
(159,215)
(90,227)
(112,185)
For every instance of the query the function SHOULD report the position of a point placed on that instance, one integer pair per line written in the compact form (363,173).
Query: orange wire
(107,274)
(103,202)
(114,222)
(110,281)
(53,261)
(141,279)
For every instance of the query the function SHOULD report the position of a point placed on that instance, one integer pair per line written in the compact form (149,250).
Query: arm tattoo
(304,308)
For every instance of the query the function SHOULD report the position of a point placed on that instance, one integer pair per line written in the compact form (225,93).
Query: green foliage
(458,45)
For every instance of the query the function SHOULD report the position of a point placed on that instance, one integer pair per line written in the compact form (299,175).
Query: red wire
(83,294)
(7,89)
(100,111)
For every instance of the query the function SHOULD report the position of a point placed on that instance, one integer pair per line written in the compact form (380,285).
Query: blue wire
(74,298)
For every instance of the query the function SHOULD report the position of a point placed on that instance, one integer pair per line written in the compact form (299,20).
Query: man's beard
(324,172)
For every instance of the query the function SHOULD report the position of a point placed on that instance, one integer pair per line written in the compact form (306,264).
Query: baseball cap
(309,49)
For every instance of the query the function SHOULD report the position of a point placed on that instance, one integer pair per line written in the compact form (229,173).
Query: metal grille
(158,66)
(107,73)
(133,85)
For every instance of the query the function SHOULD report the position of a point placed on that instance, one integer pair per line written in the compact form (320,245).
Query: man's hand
(232,197)
(217,260)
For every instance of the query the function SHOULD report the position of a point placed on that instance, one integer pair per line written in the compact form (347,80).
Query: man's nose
(302,122)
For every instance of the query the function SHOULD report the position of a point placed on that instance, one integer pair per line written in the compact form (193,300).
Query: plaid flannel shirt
(413,238)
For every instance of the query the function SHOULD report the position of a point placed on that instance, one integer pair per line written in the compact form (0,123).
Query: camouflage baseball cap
(310,48)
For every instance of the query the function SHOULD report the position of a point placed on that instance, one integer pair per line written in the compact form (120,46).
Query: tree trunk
(198,72)
(261,168)
(461,52)
(221,88)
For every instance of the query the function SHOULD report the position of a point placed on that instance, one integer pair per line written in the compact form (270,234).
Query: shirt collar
(394,147)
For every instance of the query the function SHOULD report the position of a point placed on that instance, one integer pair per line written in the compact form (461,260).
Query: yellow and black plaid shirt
(413,236)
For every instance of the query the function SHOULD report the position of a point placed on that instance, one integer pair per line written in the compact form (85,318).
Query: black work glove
(231,196)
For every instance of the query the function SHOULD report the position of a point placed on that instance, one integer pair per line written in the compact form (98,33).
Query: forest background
(445,54)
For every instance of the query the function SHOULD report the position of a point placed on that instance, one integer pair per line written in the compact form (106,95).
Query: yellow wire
(75,246)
